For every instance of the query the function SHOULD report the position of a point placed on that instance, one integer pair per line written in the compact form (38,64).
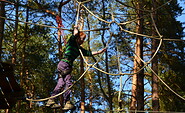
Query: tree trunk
(15,34)
(82,104)
(82,81)
(107,66)
(91,93)
(14,52)
(23,74)
(59,44)
(108,83)
(2,22)
(89,73)
(60,47)
(23,71)
(155,96)
(138,78)
(139,64)
(134,89)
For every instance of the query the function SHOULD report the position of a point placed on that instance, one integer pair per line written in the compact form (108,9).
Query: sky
(182,17)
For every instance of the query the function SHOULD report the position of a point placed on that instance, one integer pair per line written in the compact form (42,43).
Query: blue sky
(182,17)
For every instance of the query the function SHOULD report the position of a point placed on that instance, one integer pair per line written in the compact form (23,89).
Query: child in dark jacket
(65,68)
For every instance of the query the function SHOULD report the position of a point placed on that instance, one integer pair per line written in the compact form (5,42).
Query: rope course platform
(9,88)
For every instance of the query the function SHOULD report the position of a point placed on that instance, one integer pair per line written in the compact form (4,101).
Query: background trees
(35,48)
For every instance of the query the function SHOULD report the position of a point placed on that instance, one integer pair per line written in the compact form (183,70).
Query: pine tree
(2,22)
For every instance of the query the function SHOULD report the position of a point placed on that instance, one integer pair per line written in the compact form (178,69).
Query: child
(65,68)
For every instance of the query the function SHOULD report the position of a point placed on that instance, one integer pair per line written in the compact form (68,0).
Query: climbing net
(113,21)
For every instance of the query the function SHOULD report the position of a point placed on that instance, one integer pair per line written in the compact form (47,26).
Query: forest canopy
(142,69)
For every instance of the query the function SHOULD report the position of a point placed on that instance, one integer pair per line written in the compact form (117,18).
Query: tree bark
(139,64)
(89,73)
(23,71)
(59,38)
(82,81)
(15,34)
(2,22)
(155,95)
(23,74)
(107,65)
(91,93)
(134,90)
(14,52)
(59,44)
(137,100)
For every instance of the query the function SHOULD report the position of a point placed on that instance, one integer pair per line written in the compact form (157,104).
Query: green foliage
(171,58)
(171,54)
(41,51)
(39,79)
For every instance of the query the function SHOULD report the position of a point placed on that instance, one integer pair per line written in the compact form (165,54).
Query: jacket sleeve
(86,52)
(72,38)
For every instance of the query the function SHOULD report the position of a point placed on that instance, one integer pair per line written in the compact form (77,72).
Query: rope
(119,69)
(133,111)
(5,99)
(146,63)
(36,100)
(89,65)
(166,84)
(78,12)
(130,21)
(8,2)
(93,13)
(52,26)
(59,23)
(81,3)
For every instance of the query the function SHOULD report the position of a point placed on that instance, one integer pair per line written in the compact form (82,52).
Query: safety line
(51,97)
(89,65)
(98,29)
(166,84)
(103,21)
(146,63)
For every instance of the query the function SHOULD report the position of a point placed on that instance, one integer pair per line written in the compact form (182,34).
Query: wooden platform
(9,88)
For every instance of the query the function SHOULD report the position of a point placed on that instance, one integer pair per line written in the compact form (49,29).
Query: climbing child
(65,67)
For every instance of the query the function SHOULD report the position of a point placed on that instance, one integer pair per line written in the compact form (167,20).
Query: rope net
(109,23)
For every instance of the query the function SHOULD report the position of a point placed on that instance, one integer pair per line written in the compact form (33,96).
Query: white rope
(146,63)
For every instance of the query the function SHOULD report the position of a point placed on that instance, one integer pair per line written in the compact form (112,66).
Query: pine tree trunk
(134,90)
(106,64)
(139,63)
(23,71)
(82,81)
(2,22)
(15,34)
(155,96)
(23,74)
(91,93)
(14,52)
(82,104)
(89,73)
(59,44)
(138,78)
(108,83)
(60,49)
